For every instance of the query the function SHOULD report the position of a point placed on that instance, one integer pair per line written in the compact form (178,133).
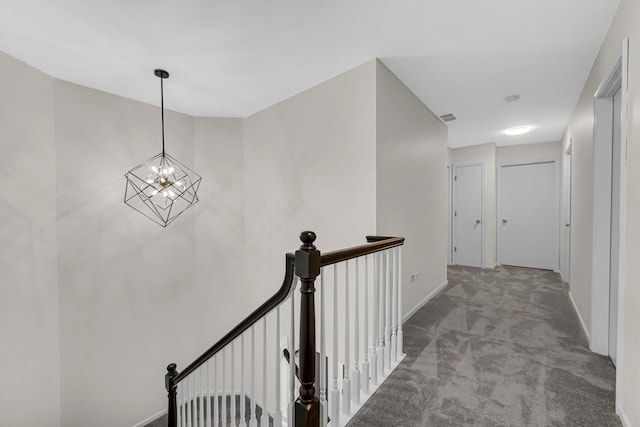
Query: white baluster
(323,356)
(180,393)
(216,403)
(400,345)
(208,404)
(232,388)
(277,416)
(223,410)
(346,382)
(264,419)
(243,394)
(355,395)
(335,393)
(292,371)
(253,421)
(365,363)
(190,407)
(374,320)
(381,312)
(394,307)
(387,317)
(202,396)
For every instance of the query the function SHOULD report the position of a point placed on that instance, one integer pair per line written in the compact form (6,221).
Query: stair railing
(201,395)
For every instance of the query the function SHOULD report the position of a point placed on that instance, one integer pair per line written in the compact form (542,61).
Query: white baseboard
(584,327)
(623,417)
(425,300)
(151,418)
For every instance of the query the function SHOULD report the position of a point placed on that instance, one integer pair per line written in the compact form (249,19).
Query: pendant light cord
(162,109)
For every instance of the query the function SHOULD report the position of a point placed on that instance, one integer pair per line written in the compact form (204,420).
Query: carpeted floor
(496,348)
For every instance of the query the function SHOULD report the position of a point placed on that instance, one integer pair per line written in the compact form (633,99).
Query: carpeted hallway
(496,348)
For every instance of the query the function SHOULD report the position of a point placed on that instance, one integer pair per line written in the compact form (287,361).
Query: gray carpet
(496,348)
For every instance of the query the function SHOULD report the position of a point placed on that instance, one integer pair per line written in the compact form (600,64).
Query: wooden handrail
(376,244)
(306,265)
(259,313)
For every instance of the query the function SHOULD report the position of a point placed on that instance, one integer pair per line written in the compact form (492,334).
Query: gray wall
(580,130)
(100,299)
(309,163)
(411,193)
(29,328)
(129,288)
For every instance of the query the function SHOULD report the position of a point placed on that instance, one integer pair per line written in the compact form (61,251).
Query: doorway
(528,215)
(609,183)
(467,215)
(565,225)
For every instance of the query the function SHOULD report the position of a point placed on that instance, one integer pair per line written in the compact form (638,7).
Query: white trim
(150,419)
(624,419)
(575,308)
(565,211)
(620,368)
(425,300)
(556,199)
(616,77)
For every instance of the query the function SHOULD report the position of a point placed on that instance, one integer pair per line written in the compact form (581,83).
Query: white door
(528,215)
(615,228)
(565,226)
(468,215)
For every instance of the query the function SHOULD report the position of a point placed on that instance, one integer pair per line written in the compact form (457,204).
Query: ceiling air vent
(449,117)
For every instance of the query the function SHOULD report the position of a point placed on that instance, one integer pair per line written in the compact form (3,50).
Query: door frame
(450,239)
(556,199)
(455,209)
(565,213)
(617,76)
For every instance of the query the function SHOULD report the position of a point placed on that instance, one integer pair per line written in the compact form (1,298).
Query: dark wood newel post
(307,406)
(172,410)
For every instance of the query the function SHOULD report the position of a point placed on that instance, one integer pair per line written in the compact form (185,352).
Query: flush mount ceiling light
(518,130)
(161,188)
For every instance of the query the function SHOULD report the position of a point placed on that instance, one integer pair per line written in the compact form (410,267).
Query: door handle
(567,225)
(504,221)
(478,221)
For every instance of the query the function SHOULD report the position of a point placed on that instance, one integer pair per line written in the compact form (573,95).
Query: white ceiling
(234,58)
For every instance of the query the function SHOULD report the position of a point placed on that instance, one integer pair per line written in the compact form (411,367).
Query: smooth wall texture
(123,278)
(484,154)
(580,131)
(219,222)
(528,153)
(411,193)
(309,163)
(29,327)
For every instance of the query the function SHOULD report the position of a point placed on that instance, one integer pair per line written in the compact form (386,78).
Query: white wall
(29,327)
(483,154)
(528,152)
(219,222)
(309,163)
(135,296)
(110,298)
(123,279)
(580,129)
(412,184)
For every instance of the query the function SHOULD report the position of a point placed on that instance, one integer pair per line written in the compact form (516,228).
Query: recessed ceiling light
(518,130)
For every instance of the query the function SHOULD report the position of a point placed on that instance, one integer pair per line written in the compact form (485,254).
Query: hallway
(496,348)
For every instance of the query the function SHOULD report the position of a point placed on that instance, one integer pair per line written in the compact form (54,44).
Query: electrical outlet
(415,276)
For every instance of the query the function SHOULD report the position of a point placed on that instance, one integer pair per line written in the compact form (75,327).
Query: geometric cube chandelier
(161,188)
